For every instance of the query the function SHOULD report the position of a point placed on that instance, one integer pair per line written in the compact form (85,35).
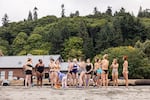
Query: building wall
(17,72)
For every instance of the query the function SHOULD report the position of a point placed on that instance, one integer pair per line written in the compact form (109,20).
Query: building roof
(64,66)
(19,61)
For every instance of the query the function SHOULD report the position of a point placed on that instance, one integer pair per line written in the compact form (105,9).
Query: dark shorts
(106,71)
(28,72)
(95,73)
(74,71)
(70,72)
(89,72)
(40,71)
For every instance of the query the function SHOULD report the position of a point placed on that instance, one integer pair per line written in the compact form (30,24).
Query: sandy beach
(47,93)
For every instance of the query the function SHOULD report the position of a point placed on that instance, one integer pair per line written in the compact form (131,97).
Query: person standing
(51,71)
(125,70)
(28,72)
(99,73)
(39,69)
(57,74)
(69,74)
(114,67)
(89,70)
(105,64)
(82,71)
(75,72)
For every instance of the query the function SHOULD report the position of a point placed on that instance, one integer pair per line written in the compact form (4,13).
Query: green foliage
(3,50)
(144,47)
(38,52)
(30,16)
(138,63)
(5,20)
(19,42)
(63,11)
(35,15)
(73,48)
(98,31)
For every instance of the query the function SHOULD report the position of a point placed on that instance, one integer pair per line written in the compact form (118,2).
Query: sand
(47,93)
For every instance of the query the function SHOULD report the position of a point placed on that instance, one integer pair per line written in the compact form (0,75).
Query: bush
(139,66)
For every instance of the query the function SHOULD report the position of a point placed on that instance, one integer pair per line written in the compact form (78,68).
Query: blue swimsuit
(75,68)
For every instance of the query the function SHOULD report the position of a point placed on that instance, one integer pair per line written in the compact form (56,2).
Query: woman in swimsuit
(69,74)
(39,69)
(82,73)
(99,72)
(125,70)
(89,69)
(56,74)
(51,71)
(96,65)
(28,71)
(114,67)
(75,72)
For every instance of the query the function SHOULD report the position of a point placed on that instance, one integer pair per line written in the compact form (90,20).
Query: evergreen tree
(77,13)
(140,14)
(5,20)
(109,11)
(87,40)
(30,16)
(63,11)
(35,15)
(95,11)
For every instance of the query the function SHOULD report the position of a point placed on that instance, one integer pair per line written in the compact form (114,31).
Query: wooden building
(11,67)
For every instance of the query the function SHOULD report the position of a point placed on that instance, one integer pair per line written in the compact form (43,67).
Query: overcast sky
(18,9)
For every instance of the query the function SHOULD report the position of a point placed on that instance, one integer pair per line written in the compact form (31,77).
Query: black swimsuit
(29,72)
(88,68)
(40,69)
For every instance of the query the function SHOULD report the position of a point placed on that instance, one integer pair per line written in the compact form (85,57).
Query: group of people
(39,71)
(79,74)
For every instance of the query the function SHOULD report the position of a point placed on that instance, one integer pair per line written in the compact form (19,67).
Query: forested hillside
(98,31)
(82,36)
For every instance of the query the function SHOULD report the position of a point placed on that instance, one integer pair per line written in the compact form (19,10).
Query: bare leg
(88,79)
(116,79)
(126,79)
(113,78)
(84,80)
(98,79)
(106,80)
(41,79)
(29,80)
(52,78)
(26,80)
(73,79)
(81,79)
(76,77)
(37,75)
(95,80)
(103,79)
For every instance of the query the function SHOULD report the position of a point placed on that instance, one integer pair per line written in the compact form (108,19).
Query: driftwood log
(132,82)
(121,82)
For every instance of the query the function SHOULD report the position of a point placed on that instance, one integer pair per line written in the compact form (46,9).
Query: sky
(18,10)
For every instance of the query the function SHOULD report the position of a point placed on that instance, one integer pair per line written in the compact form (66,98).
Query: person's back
(82,66)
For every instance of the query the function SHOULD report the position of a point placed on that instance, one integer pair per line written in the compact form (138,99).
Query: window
(2,75)
(10,75)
